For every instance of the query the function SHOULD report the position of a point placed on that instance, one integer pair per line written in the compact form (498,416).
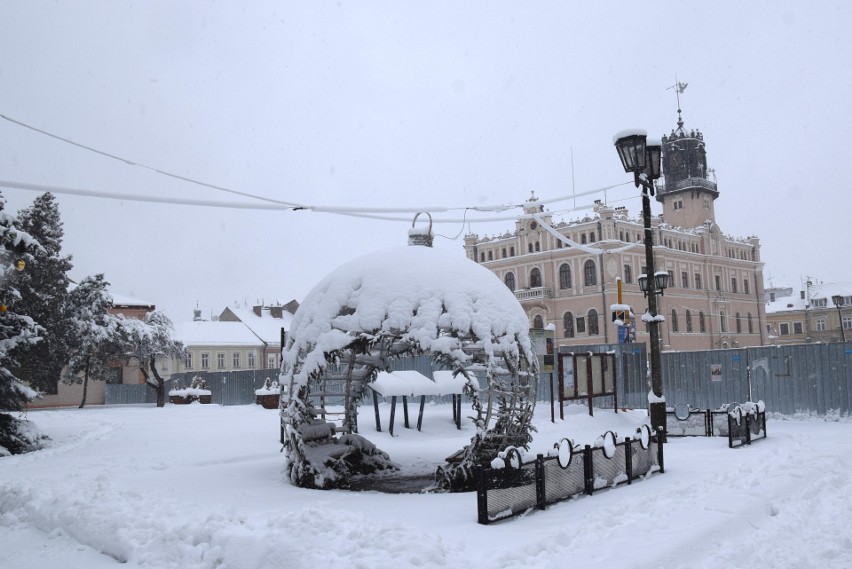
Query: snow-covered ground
(201,486)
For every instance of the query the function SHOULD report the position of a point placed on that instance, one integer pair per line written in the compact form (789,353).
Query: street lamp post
(838,301)
(642,157)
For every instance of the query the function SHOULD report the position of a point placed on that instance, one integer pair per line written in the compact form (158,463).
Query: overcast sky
(408,105)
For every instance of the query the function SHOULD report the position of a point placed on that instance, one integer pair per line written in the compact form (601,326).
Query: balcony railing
(537,293)
(687,183)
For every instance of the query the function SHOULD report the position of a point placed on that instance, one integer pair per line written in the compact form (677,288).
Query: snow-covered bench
(409,383)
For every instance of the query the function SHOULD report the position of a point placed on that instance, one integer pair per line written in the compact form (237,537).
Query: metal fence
(519,487)
(803,378)
(226,387)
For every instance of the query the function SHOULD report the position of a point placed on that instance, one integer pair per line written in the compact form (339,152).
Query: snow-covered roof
(121,300)
(265,326)
(820,291)
(418,291)
(216,333)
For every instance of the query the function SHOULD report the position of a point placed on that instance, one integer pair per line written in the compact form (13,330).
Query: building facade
(565,273)
(810,315)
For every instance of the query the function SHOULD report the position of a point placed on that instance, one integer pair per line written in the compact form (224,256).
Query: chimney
(276,311)
(196,314)
(257,310)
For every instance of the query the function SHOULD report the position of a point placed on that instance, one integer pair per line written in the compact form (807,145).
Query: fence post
(628,459)
(588,470)
(540,495)
(660,460)
(481,496)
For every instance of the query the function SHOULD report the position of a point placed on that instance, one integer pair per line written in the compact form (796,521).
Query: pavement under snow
(202,486)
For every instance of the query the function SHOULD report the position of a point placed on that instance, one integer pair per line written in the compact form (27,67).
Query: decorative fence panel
(520,487)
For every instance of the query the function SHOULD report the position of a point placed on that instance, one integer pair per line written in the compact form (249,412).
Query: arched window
(688,321)
(674,324)
(583,239)
(592,237)
(529,247)
(537,247)
(491,255)
(504,252)
(564,276)
(723,321)
(739,324)
(701,326)
(590,275)
(509,279)
(538,322)
(593,322)
(482,257)
(535,278)
(750,327)
(568,324)
(511,251)
(628,274)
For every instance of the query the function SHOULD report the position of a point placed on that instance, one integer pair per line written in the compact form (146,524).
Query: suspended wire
(275,204)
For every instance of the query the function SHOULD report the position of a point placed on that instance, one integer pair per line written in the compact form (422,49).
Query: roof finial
(679,88)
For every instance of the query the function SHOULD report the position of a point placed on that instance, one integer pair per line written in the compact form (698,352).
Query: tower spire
(678,88)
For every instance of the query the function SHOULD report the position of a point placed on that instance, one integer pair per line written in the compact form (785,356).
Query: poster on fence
(715,372)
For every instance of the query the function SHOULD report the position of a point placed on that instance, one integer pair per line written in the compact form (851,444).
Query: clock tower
(687,194)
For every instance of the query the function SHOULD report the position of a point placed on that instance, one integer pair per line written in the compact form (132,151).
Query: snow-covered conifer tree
(44,294)
(16,331)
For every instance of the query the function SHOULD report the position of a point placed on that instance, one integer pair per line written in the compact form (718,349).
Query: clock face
(611,267)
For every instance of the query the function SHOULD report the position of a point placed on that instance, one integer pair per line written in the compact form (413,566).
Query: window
(564,276)
(491,255)
(187,360)
(220,360)
(583,239)
(739,324)
(537,247)
(718,282)
(236,360)
(538,322)
(205,361)
(511,251)
(529,247)
(820,324)
(797,328)
(750,325)
(688,321)
(581,324)
(482,257)
(847,322)
(504,252)
(723,321)
(509,279)
(674,324)
(702,327)
(784,327)
(568,325)
(678,204)
(592,237)
(628,274)
(745,286)
(593,322)
(251,360)
(671,278)
(698,281)
(270,361)
(589,274)
(733,284)
(684,279)
(535,278)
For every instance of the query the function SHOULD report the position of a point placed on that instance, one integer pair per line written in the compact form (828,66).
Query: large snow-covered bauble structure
(404,301)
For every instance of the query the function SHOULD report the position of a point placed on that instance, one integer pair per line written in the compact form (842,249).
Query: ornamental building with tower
(565,273)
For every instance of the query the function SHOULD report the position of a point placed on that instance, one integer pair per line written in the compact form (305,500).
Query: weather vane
(679,88)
